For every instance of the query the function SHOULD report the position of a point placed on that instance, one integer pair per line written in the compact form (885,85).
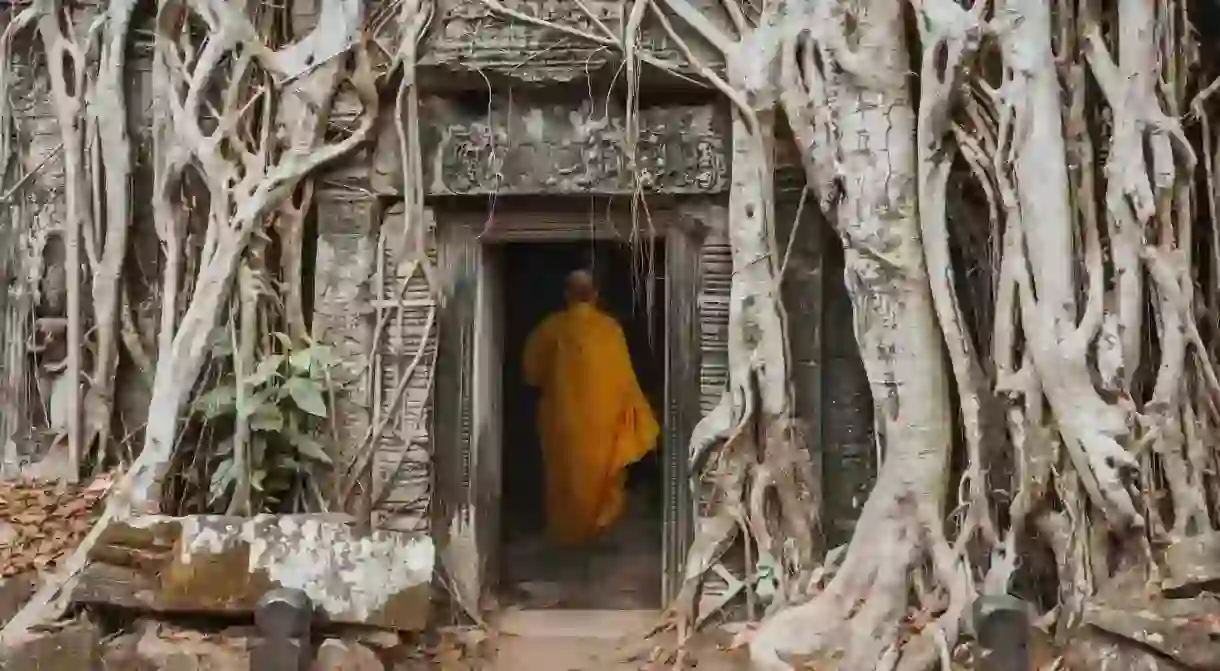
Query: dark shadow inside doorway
(623,570)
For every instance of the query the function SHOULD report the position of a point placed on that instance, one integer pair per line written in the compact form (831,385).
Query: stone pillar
(283,617)
(1002,626)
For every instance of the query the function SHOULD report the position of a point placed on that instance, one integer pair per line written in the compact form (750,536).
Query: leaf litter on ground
(41,522)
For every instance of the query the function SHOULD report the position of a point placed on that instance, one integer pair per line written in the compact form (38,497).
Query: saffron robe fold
(593,418)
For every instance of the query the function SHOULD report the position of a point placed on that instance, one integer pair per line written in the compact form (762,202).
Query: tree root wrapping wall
(245,114)
(1024,191)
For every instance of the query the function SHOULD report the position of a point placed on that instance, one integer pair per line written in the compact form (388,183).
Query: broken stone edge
(224,565)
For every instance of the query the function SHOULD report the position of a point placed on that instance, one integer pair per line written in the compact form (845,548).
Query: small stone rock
(159,647)
(14,592)
(73,646)
(1192,565)
(1184,630)
(339,655)
(380,639)
(1088,650)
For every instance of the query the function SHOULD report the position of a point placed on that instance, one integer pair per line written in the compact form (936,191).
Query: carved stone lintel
(534,148)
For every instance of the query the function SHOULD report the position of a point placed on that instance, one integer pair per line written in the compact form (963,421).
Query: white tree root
(1108,409)
(759,448)
(109,109)
(66,67)
(872,121)
(244,189)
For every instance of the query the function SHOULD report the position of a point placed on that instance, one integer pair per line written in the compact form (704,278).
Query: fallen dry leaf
(43,521)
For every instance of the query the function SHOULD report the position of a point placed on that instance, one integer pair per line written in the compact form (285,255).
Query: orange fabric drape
(593,418)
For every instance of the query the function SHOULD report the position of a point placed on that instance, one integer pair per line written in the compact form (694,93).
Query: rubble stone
(1184,630)
(72,646)
(224,565)
(14,592)
(1090,650)
(160,647)
(1192,565)
(339,655)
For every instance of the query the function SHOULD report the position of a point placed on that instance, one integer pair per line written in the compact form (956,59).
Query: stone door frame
(468,447)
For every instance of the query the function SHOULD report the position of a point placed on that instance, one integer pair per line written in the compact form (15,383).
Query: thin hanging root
(243,333)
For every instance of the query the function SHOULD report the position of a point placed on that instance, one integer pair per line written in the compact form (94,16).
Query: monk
(593,418)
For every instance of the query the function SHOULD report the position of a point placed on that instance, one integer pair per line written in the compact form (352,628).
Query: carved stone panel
(473,37)
(402,467)
(362,311)
(534,147)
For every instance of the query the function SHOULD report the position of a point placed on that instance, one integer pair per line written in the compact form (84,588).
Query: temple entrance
(502,276)
(622,570)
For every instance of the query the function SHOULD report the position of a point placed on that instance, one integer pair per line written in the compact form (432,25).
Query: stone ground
(587,640)
(622,571)
(539,640)
(591,609)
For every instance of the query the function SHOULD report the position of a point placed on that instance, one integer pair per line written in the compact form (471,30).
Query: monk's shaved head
(580,288)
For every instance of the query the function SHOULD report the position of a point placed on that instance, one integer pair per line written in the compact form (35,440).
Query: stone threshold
(585,624)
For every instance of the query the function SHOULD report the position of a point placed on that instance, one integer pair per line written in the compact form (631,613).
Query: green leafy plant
(285,409)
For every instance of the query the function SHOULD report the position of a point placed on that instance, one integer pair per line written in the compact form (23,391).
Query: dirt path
(590,640)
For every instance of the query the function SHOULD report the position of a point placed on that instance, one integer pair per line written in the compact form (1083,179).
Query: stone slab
(14,592)
(1183,630)
(1192,565)
(224,565)
(590,624)
(531,147)
(72,646)
(338,655)
(158,646)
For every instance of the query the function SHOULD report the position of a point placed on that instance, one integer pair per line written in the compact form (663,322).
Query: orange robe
(593,418)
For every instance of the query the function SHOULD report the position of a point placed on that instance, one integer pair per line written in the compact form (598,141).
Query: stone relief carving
(538,148)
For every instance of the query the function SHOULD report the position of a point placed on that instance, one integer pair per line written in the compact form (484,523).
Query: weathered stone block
(338,655)
(1192,565)
(1090,650)
(74,646)
(14,592)
(1184,630)
(225,565)
(530,147)
(156,646)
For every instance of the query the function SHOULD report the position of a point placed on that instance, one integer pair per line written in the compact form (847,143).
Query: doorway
(624,569)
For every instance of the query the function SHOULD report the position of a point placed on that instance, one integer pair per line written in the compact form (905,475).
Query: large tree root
(856,99)
(246,183)
(856,622)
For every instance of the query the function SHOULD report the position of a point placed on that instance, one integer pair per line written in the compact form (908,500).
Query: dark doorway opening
(622,570)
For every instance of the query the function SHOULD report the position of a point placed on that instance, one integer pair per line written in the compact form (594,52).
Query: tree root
(246,184)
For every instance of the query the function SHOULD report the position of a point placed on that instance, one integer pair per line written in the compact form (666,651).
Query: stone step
(564,623)
(569,640)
